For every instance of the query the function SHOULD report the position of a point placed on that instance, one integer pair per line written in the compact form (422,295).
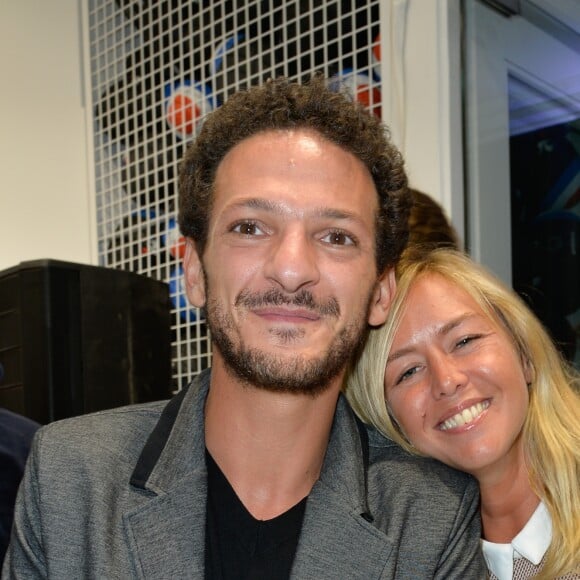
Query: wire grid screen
(157,68)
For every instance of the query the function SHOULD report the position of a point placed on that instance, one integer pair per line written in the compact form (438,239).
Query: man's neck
(270,446)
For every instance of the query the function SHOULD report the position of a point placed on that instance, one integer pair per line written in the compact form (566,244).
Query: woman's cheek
(413,412)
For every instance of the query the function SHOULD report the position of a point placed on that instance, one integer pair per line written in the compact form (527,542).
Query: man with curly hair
(294,205)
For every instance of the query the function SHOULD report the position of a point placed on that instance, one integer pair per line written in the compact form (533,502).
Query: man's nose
(293,262)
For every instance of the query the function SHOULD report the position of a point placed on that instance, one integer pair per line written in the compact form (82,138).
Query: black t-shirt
(240,547)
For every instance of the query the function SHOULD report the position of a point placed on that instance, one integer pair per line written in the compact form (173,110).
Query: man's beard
(271,372)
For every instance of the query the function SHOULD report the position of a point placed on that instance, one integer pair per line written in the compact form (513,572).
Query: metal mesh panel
(157,68)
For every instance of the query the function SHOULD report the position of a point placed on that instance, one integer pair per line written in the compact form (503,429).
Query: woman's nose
(447,376)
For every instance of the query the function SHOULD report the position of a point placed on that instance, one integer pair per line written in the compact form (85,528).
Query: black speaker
(77,338)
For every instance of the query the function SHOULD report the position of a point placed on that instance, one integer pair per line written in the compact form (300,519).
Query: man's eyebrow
(333,213)
(259,203)
(445,329)
(280,208)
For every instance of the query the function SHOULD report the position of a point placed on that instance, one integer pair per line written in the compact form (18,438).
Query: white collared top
(531,543)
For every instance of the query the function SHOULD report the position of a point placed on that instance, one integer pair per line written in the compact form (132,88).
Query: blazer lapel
(167,534)
(338,539)
(338,543)
(166,525)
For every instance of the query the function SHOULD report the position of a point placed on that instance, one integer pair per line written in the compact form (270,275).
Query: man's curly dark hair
(279,105)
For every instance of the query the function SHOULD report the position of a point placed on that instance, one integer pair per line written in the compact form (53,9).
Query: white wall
(45,206)
(429,124)
(424,102)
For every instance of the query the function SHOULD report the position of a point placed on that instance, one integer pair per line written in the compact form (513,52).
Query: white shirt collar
(532,542)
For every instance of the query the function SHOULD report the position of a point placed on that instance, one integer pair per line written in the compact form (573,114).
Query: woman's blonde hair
(551,430)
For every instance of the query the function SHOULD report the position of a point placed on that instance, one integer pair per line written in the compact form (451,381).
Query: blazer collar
(338,539)
(176,447)
(167,530)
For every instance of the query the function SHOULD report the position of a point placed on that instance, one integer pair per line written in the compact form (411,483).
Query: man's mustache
(275,297)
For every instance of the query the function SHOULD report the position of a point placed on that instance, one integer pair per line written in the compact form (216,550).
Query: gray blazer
(122,494)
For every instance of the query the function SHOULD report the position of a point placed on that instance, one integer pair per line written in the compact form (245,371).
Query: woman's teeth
(465,416)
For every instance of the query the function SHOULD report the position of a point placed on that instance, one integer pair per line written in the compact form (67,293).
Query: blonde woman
(463,371)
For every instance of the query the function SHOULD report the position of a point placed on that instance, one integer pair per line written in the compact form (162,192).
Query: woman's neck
(507,499)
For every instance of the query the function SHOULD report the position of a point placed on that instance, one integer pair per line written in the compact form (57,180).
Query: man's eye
(247,229)
(338,238)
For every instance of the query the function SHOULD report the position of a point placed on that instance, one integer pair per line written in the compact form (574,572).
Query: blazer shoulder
(119,418)
(386,455)
(102,439)
(420,502)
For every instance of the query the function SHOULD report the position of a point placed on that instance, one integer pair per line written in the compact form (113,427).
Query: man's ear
(193,275)
(382,297)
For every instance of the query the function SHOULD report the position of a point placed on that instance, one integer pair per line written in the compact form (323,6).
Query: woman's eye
(407,374)
(466,340)
(247,229)
(338,238)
